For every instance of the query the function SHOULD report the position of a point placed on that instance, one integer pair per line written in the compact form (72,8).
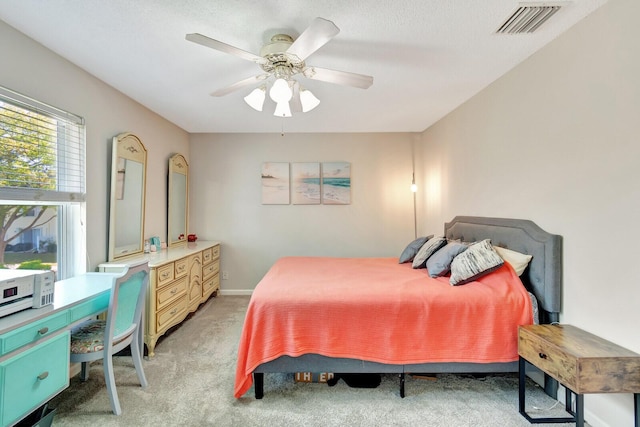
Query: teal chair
(100,339)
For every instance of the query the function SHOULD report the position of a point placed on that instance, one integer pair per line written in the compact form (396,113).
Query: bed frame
(543,278)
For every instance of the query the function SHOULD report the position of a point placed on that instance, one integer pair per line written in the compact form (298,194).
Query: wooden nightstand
(581,362)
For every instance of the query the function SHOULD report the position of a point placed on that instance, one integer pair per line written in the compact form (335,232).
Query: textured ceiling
(426,56)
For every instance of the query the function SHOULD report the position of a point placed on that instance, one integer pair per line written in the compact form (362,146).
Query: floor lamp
(414,190)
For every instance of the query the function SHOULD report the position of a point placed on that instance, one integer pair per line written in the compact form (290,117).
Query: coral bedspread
(378,310)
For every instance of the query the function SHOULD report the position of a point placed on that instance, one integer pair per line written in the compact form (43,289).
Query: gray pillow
(428,249)
(479,259)
(412,249)
(439,264)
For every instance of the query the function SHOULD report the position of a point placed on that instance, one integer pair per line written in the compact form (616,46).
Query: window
(42,186)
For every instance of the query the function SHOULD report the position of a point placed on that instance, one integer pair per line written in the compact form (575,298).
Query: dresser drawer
(210,285)
(210,269)
(210,254)
(33,332)
(33,377)
(170,292)
(165,274)
(167,317)
(181,268)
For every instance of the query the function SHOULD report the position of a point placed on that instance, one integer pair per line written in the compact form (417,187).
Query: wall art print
(275,183)
(336,183)
(305,183)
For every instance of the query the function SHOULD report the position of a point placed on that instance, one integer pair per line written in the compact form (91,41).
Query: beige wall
(226,200)
(29,68)
(556,141)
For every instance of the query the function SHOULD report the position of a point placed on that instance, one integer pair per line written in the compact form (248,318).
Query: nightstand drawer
(33,377)
(560,365)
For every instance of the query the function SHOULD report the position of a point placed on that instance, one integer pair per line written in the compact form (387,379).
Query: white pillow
(518,261)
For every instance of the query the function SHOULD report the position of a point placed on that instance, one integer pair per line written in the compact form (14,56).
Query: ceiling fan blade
(239,85)
(223,47)
(294,103)
(313,38)
(339,77)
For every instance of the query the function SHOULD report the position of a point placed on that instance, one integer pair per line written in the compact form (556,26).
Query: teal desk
(34,344)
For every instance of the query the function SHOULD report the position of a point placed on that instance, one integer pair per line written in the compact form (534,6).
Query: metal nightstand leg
(578,417)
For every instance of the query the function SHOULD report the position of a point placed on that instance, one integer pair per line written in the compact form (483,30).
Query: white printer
(22,289)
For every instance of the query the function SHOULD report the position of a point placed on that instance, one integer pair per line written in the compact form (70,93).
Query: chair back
(126,303)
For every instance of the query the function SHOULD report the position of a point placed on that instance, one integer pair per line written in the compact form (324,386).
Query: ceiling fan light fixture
(282,109)
(256,98)
(308,100)
(280,92)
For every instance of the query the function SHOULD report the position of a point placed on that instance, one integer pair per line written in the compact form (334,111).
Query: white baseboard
(236,292)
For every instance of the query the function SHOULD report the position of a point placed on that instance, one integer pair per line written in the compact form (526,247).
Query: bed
(413,329)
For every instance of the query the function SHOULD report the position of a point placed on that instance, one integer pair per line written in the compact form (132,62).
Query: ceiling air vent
(528,17)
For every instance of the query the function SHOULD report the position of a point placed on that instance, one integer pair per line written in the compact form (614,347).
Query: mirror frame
(129,147)
(177,165)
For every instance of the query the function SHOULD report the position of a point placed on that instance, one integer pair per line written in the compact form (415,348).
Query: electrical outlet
(225,275)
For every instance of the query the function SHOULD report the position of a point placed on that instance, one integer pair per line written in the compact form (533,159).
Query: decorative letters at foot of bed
(406,337)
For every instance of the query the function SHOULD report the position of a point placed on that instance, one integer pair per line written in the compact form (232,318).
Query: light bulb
(282,109)
(308,100)
(280,91)
(256,98)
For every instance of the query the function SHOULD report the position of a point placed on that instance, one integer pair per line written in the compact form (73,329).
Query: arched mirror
(178,212)
(128,188)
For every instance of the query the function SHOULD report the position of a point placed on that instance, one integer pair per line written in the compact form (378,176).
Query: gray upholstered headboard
(543,276)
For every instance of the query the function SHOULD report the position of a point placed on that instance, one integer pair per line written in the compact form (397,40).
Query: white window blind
(43,151)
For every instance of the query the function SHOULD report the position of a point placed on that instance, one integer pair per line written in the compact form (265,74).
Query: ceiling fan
(284,58)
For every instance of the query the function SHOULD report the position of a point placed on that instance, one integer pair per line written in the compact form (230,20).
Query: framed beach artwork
(305,183)
(275,183)
(336,183)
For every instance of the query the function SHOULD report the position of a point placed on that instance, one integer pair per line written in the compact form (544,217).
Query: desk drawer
(170,292)
(33,332)
(95,306)
(33,377)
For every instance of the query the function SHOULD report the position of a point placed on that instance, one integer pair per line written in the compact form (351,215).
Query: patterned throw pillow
(412,249)
(479,259)
(439,264)
(428,249)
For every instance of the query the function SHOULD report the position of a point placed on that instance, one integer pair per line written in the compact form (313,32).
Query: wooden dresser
(181,278)
(580,361)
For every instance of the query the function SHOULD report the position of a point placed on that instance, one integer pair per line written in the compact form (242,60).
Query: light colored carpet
(191,384)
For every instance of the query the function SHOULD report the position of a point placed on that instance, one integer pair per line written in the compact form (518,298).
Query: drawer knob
(174,290)
(542,355)
(165,275)
(174,311)
(43,376)
(43,331)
